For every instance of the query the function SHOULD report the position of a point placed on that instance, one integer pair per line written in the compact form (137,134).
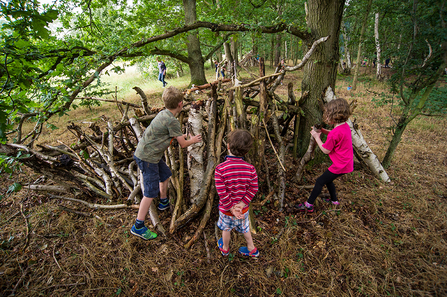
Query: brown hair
(172,97)
(240,142)
(337,111)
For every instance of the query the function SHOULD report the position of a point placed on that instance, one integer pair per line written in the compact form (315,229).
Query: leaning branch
(307,55)
(108,100)
(94,205)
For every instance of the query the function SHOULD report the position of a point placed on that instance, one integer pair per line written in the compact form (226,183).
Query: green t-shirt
(157,137)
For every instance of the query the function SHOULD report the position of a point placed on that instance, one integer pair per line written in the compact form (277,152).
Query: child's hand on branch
(315,133)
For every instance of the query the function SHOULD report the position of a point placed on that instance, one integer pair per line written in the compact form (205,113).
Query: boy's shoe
(163,206)
(303,207)
(328,200)
(144,233)
(220,246)
(245,252)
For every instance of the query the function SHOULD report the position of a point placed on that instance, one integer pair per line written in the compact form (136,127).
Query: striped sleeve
(252,187)
(224,196)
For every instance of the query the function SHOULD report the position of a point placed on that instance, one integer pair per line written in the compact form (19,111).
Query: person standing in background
(161,71)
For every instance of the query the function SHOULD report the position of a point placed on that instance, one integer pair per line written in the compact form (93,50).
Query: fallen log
(205,86)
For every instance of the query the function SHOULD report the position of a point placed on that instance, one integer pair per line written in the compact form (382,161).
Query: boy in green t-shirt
(148,155)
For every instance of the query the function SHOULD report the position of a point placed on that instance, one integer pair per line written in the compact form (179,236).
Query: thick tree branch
(218,46)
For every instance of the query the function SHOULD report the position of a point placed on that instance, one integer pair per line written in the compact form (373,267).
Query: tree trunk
(321,69)
(359,51)
(195,151)
(347,60)
(406,118)
(234,48)
(195,61)
(229,58)
(376,37)
(259,138)
(397,137)
(277,54)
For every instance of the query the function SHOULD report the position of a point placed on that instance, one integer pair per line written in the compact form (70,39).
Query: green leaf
(84,154)
(15,187)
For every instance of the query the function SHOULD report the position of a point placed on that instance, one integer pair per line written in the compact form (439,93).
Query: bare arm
(316,135)
(324,131)
(187,142)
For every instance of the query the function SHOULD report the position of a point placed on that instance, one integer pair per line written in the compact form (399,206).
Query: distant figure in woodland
(217,65)
(148,155)
(338,146)
(365,62)
(223,69)
(387,63)
(161,72)
(236,184)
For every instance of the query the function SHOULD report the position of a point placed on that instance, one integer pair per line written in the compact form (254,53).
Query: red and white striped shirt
(236,180)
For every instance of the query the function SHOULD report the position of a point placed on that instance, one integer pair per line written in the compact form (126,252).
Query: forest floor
(385,239)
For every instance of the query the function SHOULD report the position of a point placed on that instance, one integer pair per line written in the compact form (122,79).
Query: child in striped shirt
(236,184)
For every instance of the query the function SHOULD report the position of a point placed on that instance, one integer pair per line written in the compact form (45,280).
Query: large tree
(323,19)
(195,61)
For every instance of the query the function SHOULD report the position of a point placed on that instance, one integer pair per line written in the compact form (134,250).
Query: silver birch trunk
(195,151)
(360,146)
(347,52)
(359,51)
(376,36)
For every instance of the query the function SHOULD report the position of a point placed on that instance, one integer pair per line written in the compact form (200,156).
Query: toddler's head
(240,142)
(336,111)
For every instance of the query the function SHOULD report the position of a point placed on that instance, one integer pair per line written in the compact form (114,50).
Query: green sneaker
(144,233)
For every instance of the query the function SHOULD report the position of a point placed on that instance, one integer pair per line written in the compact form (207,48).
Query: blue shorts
(153,174)
(228,223)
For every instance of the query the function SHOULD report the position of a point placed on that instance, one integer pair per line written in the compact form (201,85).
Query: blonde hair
(337,111)
(172,97)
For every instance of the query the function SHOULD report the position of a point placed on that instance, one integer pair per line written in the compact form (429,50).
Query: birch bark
(376,36)
(195,151)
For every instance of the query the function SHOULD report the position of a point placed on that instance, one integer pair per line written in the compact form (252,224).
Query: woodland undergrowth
(383,239)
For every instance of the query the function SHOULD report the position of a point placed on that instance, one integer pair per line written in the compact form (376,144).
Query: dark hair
(337,111)
(172,97)
(240,142)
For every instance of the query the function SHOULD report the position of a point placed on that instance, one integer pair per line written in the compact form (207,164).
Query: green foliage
(15,187)
(437,105)
(23,30)
(412,35)
(9,165)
